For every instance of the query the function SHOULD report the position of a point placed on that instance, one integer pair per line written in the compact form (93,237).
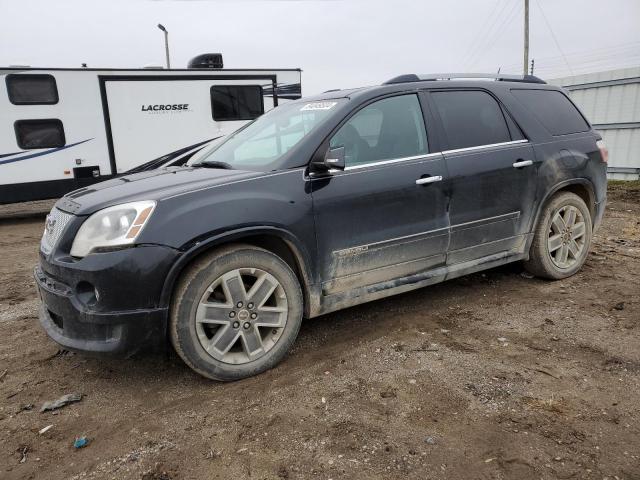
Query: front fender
(203,245)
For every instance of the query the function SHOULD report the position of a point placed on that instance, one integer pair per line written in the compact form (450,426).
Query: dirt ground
(492,376)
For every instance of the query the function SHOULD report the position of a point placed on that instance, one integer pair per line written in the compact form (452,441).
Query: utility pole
(166,43)
(526,38)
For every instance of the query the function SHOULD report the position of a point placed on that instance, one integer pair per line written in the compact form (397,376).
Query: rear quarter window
(554,110)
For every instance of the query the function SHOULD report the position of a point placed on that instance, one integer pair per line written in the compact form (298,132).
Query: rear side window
(471,118)
(554,110)
(28,89)
(236,102)
(32,134)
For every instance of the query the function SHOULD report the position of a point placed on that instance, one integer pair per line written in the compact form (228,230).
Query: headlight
(115,226)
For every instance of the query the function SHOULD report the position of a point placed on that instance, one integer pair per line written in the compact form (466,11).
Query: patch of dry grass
(623,185)
(550,404)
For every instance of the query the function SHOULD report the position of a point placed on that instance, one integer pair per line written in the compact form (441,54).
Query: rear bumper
(599,208)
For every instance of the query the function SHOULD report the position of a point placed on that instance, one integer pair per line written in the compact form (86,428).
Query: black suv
(318,205)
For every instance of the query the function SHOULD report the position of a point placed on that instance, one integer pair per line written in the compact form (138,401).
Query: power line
(585,57)
(627,49)
(551,72)
(493,38)
(513,13)
(483,33)
(482,37)
(594,54)
(597,66)
(623,46)
(553,35)
(578,68)
(486,22)
(613,56)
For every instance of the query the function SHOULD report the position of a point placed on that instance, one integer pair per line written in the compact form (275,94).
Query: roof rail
(412,77)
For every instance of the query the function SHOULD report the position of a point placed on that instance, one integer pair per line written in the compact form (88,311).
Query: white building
(611,102)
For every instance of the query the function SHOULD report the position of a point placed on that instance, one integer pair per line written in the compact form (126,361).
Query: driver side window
(388,129)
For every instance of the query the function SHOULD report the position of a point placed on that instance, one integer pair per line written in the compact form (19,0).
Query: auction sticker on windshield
(319,106)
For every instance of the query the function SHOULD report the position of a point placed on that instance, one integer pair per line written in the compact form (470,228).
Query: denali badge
(349,252)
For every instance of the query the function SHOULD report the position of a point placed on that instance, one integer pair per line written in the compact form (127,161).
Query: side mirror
(335,158)
(332,158)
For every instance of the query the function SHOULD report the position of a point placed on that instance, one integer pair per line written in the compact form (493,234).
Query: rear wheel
(236,313)
(562,238)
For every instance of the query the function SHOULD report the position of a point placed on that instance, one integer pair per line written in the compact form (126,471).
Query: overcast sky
(337,43)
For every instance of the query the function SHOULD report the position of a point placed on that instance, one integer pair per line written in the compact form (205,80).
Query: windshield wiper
(223,165)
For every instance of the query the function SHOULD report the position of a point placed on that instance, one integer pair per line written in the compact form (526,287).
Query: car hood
(151,185)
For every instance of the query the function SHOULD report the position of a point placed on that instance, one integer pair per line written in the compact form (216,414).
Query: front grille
(55,224)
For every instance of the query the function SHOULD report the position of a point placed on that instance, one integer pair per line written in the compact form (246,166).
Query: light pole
(166,43)
(525,65)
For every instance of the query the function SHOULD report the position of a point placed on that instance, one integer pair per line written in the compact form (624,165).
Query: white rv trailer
(62,129)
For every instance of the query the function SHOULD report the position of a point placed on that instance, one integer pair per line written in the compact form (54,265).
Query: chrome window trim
(484,147)
(395,160)
(430,155)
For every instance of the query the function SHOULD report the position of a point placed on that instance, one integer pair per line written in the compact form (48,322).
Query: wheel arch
(273,239)
(580,186)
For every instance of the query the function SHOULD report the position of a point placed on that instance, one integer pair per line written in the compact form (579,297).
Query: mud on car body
(321,204)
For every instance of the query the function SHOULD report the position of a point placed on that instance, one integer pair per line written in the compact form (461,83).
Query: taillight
(604,153)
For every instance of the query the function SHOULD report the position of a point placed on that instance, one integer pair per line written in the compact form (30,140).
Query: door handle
(425,180)
(523,163)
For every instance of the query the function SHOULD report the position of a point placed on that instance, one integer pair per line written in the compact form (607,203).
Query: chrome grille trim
(55,225)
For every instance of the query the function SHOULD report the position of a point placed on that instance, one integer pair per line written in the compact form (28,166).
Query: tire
(557,238)
(222,302)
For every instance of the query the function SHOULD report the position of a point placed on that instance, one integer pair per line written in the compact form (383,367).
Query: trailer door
(149,117)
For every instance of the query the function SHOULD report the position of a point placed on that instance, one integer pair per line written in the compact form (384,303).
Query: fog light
(87,293)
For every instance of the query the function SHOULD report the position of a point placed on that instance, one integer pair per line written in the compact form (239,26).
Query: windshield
(263,142)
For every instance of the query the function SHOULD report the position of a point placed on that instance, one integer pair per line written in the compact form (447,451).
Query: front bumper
(123,318)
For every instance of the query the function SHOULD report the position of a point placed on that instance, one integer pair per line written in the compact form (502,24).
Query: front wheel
(236,313)
(562,238)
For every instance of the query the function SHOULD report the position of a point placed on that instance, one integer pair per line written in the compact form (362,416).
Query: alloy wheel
(241,315)
(566,238)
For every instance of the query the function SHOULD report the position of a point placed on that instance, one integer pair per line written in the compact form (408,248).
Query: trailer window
(236,102)
(30,89)
(46,133)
